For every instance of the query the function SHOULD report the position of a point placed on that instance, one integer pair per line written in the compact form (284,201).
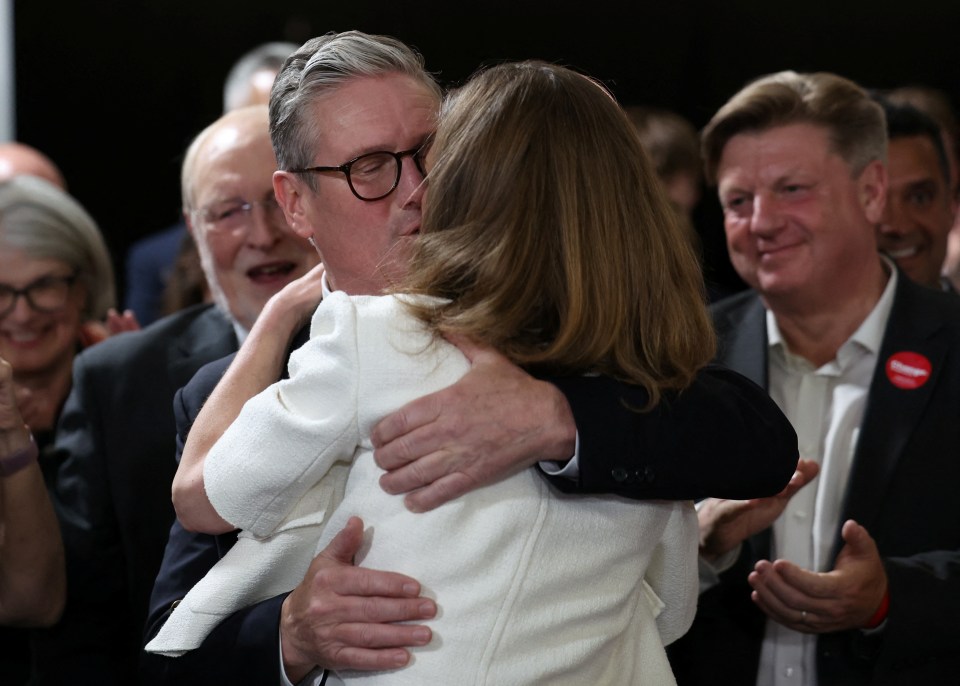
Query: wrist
(565,437)
(19,459)
(295,666)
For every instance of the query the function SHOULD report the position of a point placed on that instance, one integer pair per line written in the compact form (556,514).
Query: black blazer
(115,440)
(902,486)
(722,436)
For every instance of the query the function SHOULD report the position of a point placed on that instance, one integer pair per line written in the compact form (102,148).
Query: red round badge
(908,370)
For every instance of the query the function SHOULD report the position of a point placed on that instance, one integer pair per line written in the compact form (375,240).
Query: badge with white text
(908,370)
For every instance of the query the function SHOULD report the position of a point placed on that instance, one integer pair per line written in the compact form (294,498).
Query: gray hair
(269,56)
(48,224)
(320,66)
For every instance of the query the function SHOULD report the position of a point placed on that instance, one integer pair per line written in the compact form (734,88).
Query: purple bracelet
(11,464)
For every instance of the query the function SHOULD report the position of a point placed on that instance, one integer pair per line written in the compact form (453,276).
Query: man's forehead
(375,113)
(914,156)
(245,167)
(776,150)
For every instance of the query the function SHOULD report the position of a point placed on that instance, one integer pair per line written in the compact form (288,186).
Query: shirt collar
(241,331)
(868,336)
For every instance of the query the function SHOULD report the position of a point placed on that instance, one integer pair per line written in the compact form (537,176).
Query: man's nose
(21,310)
(264,229)
(766,214)
(893,222)
(415,197)
(410,186)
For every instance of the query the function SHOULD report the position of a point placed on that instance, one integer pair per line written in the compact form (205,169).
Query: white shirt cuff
(570,470)
(313,678)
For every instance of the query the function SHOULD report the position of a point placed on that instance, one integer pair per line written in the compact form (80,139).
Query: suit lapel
(742,347)
(892,412)
(208,337)
(742,333)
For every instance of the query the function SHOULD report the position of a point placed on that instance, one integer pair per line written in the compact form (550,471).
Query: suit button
(645,475)
(619,475)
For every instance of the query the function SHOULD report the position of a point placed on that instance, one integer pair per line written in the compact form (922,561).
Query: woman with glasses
(545,234)
(56,285)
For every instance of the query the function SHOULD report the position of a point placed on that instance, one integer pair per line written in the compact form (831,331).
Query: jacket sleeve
(285,440)
(93,638)
(245,648)
(721,437)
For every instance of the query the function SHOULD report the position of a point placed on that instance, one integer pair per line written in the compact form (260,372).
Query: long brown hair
(546,229)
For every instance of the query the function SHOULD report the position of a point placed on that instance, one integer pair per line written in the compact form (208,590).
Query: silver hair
(48,224)
(269,56)
(320,66)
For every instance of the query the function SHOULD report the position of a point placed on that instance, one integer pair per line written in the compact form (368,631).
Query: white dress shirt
(826,407)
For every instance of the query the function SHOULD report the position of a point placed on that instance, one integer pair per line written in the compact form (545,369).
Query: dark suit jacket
(722,436)
(902,488)
(116,441)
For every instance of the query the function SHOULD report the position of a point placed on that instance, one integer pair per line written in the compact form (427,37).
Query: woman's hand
(294,304)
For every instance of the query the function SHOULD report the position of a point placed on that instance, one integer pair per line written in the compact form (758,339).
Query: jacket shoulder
(200,322)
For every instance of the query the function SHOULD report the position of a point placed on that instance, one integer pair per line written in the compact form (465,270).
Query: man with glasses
(342,108)
(115,437)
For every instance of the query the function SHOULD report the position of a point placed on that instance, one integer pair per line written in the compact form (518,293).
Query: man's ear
(873,191)
(290,193)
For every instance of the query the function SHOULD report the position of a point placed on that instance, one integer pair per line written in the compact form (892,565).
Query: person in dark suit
(864,583)
(343,615)
(116,434)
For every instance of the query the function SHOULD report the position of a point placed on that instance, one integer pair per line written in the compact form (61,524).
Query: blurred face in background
(919,210)
(40,337)
(247,250)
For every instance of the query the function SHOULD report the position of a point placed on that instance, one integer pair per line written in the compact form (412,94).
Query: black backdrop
(113,90)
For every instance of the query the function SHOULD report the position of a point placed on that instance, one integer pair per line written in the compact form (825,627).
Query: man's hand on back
(494,422)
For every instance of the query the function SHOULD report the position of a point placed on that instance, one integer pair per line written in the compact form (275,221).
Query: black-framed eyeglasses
(46,294)
(375,175)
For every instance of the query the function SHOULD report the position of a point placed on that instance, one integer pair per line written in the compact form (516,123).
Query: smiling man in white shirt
(849,576)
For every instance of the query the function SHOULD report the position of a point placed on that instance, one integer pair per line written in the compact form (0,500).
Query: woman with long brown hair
(547,236)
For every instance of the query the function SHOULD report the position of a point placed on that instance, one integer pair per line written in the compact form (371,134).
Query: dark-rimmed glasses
(46,294)
(374,175)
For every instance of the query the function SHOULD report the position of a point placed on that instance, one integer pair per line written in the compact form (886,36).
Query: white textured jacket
(534,586)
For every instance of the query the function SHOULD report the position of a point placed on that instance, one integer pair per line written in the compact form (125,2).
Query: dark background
(113,90)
